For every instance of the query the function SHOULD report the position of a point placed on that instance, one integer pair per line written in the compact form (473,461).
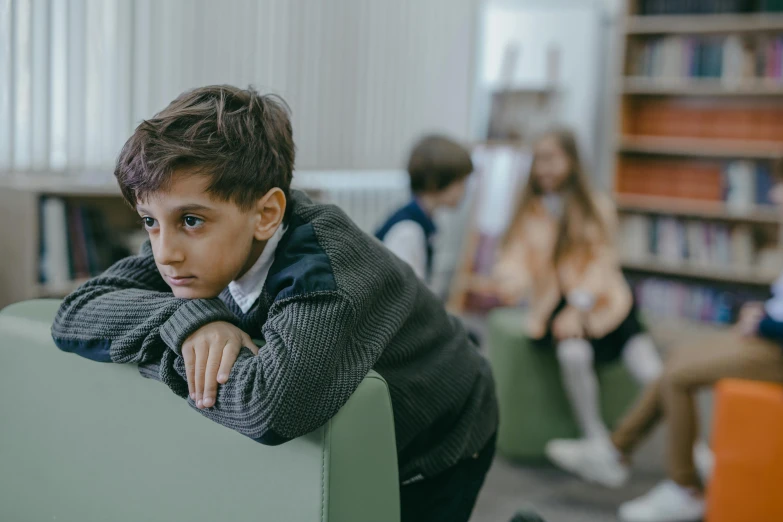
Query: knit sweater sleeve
(129,315)
(317,352)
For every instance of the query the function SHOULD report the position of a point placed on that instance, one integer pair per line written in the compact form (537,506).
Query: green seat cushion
(533,405)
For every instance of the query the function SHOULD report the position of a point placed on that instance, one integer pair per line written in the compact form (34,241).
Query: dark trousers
(451,495)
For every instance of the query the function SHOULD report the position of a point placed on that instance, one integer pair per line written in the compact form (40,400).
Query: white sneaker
(592,460)
(704,460)
(666,502)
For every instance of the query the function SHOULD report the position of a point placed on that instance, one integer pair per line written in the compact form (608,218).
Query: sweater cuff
(189,317)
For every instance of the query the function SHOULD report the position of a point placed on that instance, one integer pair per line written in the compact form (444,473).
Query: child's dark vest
(412,212)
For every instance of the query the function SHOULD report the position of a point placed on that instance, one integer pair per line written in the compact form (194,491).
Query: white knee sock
(581,385)
(642,359)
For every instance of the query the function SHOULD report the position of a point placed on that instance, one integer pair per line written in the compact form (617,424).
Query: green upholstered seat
(533,405)
(82,441)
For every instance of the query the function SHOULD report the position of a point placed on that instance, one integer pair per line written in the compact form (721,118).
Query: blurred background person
(438,168)
(559,253)
(750,350)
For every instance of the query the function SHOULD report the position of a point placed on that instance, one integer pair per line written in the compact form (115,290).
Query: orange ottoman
(747,482)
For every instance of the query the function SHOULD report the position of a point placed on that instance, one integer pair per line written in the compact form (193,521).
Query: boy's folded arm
(129,315)
(318,350)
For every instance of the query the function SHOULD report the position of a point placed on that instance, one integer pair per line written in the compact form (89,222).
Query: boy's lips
(180,280)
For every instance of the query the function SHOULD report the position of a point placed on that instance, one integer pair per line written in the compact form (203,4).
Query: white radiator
(367,196)
(370,196)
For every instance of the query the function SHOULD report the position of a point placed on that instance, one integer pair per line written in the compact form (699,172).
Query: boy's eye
(148,222)
(193,221)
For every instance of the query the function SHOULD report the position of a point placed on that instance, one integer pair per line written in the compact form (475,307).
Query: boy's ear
(270,210)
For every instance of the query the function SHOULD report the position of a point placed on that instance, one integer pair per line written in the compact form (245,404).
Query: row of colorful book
(679,242)
(75,242)
(661,7)
(741,185)
(661,298)
(757,123)
(733,58)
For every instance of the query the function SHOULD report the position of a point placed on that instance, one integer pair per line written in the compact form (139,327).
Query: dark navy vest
(413,212)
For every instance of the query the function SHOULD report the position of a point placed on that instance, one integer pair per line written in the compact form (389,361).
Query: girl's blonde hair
(579,208)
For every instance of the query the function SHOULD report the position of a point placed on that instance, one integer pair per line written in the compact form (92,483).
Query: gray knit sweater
(335,304)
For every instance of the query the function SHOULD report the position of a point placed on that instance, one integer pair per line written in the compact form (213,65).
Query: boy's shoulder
(323,250)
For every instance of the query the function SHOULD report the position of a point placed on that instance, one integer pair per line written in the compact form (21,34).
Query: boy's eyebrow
(191,207)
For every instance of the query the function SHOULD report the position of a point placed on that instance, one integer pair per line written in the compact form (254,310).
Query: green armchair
(85,442)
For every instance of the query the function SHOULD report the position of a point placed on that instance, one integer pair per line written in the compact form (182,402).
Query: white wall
(363,78)
(585,31)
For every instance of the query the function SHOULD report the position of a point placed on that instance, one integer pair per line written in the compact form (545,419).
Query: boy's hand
(209,353)
(750,316)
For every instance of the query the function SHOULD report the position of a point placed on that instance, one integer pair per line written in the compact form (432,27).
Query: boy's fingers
(202,352)
(248,342)
(211,373)
(227,361)
(189,358)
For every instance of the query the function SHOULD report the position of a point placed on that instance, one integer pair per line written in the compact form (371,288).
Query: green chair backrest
(82,441)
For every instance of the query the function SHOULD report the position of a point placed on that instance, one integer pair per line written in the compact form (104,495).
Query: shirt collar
(246,290)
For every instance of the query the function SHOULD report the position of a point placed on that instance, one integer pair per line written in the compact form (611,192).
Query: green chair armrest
(82,441)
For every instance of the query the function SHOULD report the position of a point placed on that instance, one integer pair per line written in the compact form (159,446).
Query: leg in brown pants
(688,368)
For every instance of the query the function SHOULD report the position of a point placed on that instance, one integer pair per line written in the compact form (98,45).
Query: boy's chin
(193,293)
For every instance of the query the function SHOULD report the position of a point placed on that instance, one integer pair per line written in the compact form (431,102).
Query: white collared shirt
(407,241)
(247,288)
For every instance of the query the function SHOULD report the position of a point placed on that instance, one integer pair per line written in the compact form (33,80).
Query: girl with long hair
(559,253)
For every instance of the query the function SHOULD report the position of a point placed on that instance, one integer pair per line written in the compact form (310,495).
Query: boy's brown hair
(242,140)
(436,162)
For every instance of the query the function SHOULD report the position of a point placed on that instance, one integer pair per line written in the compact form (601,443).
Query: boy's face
(452,196)
(201,243)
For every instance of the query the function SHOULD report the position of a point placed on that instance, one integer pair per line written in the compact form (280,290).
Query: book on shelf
(732,58)
(75,242)
(677,7)
(752,125)
(673,299)
(55,255)
(747,184)
(742,185)
(679,242)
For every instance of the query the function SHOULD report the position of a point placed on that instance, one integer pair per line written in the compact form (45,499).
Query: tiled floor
(559,497)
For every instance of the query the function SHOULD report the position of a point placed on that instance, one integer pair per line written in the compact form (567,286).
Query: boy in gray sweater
(234,254)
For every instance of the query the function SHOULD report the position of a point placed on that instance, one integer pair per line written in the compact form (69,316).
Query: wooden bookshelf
(688,208)
(700,147)
(700,87)
(681,124)
(20,201)
(703,273)
(704,24)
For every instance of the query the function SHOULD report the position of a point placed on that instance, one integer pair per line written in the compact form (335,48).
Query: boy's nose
(169,251)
